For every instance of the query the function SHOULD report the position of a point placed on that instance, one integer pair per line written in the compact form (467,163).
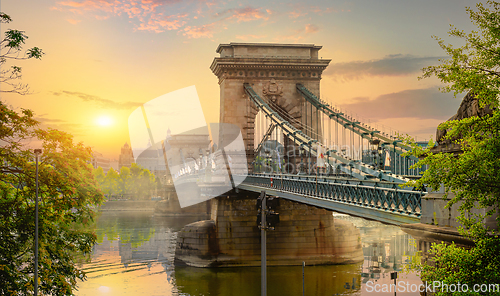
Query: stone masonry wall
(305,233)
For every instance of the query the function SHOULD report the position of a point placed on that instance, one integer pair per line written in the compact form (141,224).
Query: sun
(104,121)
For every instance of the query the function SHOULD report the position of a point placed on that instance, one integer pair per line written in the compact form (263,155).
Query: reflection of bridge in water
(123,261)
(385,248)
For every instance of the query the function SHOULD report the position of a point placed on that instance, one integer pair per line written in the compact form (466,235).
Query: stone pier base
(232,238)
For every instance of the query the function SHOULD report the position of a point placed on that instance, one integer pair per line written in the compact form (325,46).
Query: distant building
(98,160)
(126,157)
(114,164)
(182,149)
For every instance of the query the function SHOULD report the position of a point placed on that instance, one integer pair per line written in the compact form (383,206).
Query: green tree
(111,182)
(68,196)
(99,176)
(11,48)
(473,176)
(143,182)
(124,181)
(68,191)
(474,66)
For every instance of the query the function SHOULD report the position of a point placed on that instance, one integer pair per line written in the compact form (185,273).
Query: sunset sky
(106,57)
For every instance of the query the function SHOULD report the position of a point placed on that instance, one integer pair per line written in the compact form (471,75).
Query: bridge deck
(354,197)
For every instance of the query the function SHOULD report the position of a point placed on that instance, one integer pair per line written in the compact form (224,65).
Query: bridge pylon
(273,70)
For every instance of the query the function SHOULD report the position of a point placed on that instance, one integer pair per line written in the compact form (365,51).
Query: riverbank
(129,205)
(160,208)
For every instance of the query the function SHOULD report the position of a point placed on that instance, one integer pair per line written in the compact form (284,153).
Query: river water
(135,251)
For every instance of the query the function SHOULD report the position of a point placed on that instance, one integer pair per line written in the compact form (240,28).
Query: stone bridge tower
(273,70)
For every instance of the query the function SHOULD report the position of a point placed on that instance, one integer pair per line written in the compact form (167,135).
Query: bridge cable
(356,168)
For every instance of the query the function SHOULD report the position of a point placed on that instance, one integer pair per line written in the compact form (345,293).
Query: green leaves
(15,39)
(473,175)
(5,18)
(34,52)
(454,264)
(134,182)
(68,195)
(474,66)
(11,49)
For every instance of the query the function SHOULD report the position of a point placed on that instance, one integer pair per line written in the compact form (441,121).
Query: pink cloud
(159,23)
(199,31)
(245,14)
(104,5)
(189,18)
(148,14)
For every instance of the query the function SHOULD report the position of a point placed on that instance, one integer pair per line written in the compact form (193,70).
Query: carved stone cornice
(219,65)
(259,68)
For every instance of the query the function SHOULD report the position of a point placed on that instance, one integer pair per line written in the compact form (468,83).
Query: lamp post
(37,153)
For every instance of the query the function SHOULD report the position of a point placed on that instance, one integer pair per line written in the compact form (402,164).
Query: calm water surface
(135,251)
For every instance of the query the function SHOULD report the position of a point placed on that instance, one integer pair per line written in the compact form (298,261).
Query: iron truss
(352,167)
(382,201)
(362,130)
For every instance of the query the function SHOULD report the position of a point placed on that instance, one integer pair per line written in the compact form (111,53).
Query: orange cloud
(199,31)
(159,23)
(148,13)
(104,5)
(298,34)
(158,15)
(245,14)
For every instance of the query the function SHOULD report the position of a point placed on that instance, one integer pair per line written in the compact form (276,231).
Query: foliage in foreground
(68,195)
(473,176)
(68,191)
(10,50)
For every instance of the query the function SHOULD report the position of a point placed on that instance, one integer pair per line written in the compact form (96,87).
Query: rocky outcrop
(468,108)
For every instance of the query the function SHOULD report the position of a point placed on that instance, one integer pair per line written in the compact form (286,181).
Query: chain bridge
(301,148)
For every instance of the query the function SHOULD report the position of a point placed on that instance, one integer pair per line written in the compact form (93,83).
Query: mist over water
(135,254)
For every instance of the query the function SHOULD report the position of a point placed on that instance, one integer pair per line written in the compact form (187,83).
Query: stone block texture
(273,70)
(304,233)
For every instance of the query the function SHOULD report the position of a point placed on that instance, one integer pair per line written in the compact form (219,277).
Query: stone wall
(232,238)
(435,213)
